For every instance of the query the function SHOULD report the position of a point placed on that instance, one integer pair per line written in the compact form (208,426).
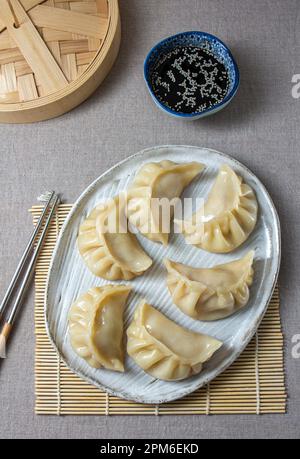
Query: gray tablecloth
(261,128)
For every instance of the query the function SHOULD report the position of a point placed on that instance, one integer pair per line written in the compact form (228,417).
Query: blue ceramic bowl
(202,40)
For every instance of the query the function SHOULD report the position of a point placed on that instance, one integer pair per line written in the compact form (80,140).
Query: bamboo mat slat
(254,384)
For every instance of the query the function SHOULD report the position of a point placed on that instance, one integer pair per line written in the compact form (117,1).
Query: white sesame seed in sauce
(189,80)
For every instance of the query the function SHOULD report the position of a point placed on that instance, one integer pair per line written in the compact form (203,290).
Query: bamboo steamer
(54,54)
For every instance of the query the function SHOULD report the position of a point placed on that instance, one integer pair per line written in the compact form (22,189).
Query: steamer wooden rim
(76,91)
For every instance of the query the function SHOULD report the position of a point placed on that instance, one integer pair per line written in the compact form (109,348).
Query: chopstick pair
(29,258)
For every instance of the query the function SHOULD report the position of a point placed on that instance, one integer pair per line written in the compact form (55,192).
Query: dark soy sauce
(189,80)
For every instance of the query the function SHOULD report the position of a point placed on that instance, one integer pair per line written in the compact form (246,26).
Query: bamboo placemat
(254,384)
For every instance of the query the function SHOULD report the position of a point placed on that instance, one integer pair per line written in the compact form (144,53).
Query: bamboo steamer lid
(54,54)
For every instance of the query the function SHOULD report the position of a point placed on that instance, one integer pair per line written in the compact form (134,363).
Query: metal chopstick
(7,327)
(24,258)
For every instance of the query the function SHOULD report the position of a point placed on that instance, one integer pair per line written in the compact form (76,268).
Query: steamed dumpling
(107,247)
(96,326)
(153,183)
(164,349)
(227,218)
(211,294)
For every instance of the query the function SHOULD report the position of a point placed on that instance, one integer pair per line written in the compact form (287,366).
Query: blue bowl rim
(226,100)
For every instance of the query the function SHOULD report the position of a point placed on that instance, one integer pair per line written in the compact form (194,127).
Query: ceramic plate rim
(88,190)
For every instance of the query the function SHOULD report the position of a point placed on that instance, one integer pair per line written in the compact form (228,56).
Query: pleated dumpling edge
(164,349)
(227,218)
(112,255)
(211,293)
(96,326)
(158,181)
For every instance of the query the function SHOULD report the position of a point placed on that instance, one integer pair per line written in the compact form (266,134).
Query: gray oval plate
(69,277)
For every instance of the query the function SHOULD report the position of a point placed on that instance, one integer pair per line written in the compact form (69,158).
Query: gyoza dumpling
(164,349)
(96,326)
(153,183)
(228,217)
(106,245)
(211,294)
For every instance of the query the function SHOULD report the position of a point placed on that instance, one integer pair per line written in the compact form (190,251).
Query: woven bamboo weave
(254,384)
(71,32)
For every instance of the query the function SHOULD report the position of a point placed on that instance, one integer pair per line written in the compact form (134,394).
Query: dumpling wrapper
(112,255)
(96,326)
(154,183)
(227,218)
(164,349)
(211,293)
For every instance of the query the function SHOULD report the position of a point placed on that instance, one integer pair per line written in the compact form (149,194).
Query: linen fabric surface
(261,128)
